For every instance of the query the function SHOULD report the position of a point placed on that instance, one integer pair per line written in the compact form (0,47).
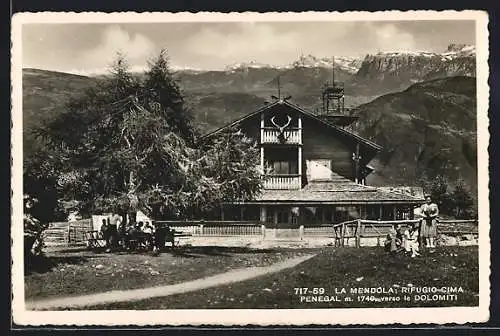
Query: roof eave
(367,142)
(236,122)
(341,130)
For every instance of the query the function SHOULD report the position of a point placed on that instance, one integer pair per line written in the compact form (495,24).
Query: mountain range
(353,64)
(419,106)
(364,79)
(429,128)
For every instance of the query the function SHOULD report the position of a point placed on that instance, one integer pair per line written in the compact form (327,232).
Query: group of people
(116,233)
(422,232)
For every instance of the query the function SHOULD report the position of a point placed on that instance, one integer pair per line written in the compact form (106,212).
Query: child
(411,240)
(394,239)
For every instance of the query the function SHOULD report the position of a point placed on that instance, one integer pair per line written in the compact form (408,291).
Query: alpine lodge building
(314,170)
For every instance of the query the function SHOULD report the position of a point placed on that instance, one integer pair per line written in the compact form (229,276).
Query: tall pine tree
(127,143)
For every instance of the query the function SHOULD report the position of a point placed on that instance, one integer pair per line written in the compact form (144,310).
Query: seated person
(122,233)
(148,228)
(161,235)
(131,236)
(104,227)
(109,234)
(411,240)
(394,241)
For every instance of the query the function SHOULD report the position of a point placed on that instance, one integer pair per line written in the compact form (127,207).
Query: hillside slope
(428,128)
(45,94)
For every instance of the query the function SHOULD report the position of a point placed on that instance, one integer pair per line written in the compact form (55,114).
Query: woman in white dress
(428,229)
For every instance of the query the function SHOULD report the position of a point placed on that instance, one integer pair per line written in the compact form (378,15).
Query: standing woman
(428,228)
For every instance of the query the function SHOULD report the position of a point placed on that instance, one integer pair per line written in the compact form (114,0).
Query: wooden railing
(217,228)
(233,230)
(77,230)
(322,230)
(67,232)
(282,182)
(457,227)
(361,228)
(271,136)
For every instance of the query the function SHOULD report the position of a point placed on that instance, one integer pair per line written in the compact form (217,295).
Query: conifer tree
(126,144)
(462,200)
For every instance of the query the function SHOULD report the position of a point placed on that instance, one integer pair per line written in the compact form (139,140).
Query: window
(282,215)
(284,167)
(281,167)
(324,162)
(319,169)
(282,161)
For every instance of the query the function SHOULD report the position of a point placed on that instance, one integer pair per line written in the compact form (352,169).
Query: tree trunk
(133,205)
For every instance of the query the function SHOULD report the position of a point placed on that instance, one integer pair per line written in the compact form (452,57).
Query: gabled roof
(341,191)
(362,140)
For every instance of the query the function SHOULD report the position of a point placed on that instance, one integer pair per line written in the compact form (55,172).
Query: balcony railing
(271,136)
(282,182)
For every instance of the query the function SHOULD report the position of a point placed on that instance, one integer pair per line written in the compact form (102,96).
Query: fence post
(301,232)
(201,229)
(263,231)
(342,234)
(68,234)
(358,233)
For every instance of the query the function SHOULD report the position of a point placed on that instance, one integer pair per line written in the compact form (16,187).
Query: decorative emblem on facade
(281,128)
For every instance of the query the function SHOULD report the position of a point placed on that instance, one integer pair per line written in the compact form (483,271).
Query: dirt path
(159,291)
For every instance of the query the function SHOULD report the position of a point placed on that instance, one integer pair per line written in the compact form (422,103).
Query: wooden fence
(77,230)
(360,228)
(342,233)
(322,230)
(63,233)
(216,228)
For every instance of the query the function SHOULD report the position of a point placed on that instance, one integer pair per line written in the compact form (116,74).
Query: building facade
(314,171)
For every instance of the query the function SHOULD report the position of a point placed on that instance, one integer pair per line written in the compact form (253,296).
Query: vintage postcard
(269,169)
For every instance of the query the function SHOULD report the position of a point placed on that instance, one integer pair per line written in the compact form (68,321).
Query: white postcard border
(253,316)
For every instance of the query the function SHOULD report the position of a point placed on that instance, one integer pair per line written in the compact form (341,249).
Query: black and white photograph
(246,168)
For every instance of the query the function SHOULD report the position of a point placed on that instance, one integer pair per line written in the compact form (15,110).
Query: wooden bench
(94,239)
(175,237)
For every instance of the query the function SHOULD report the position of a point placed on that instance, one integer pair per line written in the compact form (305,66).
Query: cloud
(243,41)
(91,48)
(136,47)
(281,43)
(388,37)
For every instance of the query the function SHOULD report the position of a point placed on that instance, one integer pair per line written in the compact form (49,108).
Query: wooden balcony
(291,136)
(282,182)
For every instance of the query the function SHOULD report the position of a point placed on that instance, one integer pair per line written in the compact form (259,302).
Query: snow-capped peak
(186,69)
(453,51)
(243,65)
(458,47)
(460,50)
(349,64)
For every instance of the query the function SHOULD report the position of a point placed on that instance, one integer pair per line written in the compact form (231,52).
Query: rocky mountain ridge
(397,70)
(354,64)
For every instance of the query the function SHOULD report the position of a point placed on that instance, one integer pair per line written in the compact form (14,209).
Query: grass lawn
(334,269)
(76,271)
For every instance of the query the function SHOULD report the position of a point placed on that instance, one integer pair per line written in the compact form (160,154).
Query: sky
(89,48)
